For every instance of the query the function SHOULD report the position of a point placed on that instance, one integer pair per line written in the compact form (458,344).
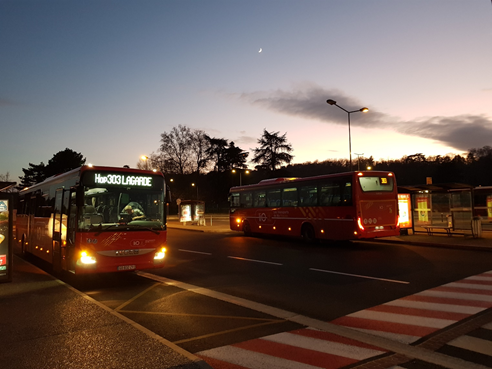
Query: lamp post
(358,160)
(146,160)
(240,174)
(363,110)
(195,185)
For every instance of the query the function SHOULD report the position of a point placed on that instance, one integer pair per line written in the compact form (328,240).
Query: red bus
(95,219)
(343,206)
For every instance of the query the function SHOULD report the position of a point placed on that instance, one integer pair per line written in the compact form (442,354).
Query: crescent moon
(260,50)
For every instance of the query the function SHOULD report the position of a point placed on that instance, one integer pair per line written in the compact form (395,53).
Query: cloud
(308,100)
(462,132)
(241,140)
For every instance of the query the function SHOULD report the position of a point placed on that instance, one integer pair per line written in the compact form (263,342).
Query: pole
(350,143)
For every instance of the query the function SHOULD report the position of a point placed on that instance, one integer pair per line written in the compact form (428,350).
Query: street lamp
(146,160)
(363,110)
(358,160)
(240,175)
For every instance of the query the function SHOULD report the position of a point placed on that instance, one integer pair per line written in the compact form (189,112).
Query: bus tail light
(359,223)
(159,255)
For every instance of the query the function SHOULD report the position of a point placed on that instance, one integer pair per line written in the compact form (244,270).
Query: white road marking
(402,319)
(456,295)
(253,360)
(256,261)
(359,276)
(469,285)
(473,344)
(325,346)
(196,252)
(435,306)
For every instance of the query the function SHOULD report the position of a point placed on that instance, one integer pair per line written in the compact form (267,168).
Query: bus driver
(135,213)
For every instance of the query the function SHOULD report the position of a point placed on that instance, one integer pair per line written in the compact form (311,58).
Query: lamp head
(331,102)
(364,110)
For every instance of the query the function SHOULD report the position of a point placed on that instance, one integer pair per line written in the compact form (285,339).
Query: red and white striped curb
(405,320)
(413,317)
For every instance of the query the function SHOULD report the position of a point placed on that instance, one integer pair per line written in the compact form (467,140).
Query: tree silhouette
(273,151)
(61,162)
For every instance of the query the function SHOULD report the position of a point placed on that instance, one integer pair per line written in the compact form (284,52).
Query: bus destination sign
(122,179)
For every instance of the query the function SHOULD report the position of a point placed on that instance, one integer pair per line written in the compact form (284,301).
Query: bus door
(59,228)
(68,252)
(30,240)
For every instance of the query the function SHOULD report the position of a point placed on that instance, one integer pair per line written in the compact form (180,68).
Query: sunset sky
(106,77)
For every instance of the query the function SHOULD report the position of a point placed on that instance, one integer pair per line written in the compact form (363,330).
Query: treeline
(198,166)
(475,169)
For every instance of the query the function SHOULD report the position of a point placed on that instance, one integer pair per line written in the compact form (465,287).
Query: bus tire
(308,234)
(247,229)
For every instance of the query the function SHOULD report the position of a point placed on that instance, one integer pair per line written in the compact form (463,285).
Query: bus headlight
(85,258)
(159,255)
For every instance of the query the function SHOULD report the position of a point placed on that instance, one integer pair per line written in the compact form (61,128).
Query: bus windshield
(106,206)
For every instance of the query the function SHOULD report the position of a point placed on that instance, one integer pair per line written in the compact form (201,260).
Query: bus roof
(285,180)
(77,172)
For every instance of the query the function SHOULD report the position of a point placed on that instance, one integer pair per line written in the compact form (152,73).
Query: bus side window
(273,198)
(346,190)
(246,199)
(308,196)
(289,197)
(259,198)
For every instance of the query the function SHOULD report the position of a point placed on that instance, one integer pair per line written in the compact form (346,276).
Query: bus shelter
(440,207)
(482,205)
(6,226)
(192,211)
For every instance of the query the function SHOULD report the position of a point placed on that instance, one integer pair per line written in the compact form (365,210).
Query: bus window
(234,200)
(308,195)
(259,198)
(289,197)
(374,184)
(329,194)
(246,199)
(346,194)
(273,198)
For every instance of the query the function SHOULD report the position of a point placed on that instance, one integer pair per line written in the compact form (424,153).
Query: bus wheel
(308,233)
(247,229)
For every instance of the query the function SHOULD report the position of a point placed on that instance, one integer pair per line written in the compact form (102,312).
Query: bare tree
(176,149)
(199,146)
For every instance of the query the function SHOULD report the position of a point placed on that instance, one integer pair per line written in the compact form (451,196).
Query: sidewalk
(45,323)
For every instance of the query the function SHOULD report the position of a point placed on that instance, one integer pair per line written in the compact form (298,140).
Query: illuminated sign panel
(405,210)
(122,179)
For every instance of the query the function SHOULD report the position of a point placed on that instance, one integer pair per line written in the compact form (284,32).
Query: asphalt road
(321,281)
(324,282)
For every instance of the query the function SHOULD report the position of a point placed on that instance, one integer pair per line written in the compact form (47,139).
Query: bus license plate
(126,267)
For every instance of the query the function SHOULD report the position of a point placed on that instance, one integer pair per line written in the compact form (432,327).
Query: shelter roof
(438,187)
(6,185)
